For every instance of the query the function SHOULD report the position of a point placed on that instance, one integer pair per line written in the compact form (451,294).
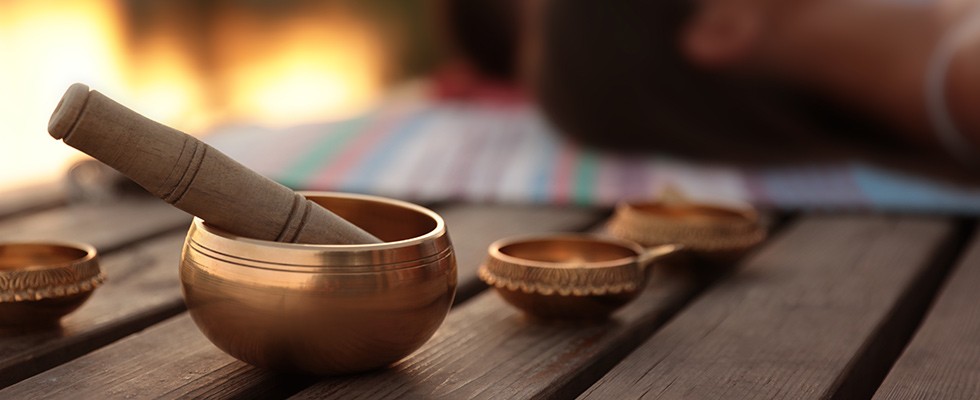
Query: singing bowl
(323,309)
(709,232)
(42,282)
(569,276)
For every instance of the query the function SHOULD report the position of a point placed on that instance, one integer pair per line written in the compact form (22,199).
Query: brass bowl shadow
(323,309)
(42,282)
(569,276)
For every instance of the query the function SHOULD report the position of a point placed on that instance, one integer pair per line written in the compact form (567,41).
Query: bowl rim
(303,257)
(90,254)
(439,228)
(494,250)
(733,212)
(39,282)
(586,278)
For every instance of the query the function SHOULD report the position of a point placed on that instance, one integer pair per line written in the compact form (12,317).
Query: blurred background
(197,64)
(310,93)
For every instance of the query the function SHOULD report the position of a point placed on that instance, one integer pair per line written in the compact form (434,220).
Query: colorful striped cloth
(427,150)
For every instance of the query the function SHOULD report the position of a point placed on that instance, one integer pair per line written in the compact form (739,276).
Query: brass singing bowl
(710,232)
(42,282)
(569,276)
(323,309)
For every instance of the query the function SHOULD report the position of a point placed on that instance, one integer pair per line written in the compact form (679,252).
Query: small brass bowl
(569,276)
(42,282)
(711,232)
(323,309)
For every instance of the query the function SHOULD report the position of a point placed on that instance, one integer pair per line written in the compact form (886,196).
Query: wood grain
(943,359)
(142,288)
(174,360)
(32,199)
(484,350)
(107,226)
(171,360)
(794,321)
(148,364)
(489,350)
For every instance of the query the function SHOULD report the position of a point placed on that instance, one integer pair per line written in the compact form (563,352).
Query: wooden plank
(170,360)
(473,227)
(33,198)
(135,372)
(943,359)
(487,349)
(174,360)
(107,226)
(796,321)
(500,351)
(142,289)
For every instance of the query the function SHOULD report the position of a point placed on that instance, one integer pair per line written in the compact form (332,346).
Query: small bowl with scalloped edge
(569,276)
(42,282)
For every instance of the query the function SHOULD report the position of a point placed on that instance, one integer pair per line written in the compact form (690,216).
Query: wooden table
(832,306)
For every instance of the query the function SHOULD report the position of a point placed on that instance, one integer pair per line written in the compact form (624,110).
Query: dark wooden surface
(143,289)
(821,310)
(34,198)
(107,226)
(794,321)
(943,360)
(486,349)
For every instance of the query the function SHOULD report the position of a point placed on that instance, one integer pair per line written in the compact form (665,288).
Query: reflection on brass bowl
(42,282)
(569,276)
(323,309)
(711,232)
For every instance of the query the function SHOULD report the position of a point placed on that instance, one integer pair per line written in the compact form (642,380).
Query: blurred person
(751,79)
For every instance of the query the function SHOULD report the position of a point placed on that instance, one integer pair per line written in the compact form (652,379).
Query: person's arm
(872,54)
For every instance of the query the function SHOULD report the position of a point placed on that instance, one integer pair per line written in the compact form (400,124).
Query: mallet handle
(193,176)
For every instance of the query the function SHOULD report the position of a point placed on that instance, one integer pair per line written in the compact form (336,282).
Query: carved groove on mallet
(290,231)
(190,173)
(193,176)
(307,211)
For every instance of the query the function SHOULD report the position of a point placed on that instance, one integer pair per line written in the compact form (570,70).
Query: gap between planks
(142,289)
(882,350)
(487,349)
(943,358)
(108,226)
(485,223)
(32,199)
(137,237)
(798,318)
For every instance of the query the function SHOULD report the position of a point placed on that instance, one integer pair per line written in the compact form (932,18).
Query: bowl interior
(687,211)
(388,221)
(568,251)
(23,255)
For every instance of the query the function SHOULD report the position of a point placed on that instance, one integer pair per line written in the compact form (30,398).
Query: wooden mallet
(193,176)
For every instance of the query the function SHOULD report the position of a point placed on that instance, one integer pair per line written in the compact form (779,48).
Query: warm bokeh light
(299,68)
(166,86)
(45,47)
(307,65)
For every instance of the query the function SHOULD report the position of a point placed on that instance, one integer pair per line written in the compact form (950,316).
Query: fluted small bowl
(42,282)
(569,276)
(709,232)
(323,309)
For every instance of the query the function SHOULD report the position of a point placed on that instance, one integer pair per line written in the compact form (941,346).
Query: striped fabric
(427,151)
